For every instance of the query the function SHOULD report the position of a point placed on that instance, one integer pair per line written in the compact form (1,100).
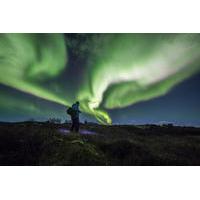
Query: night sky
(123,78)
(179,106)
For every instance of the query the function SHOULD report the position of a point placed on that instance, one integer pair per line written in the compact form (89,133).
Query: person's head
(77,103)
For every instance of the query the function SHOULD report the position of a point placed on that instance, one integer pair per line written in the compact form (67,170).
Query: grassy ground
(33,143)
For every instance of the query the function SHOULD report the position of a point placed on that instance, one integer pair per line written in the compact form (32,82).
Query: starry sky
(118,78)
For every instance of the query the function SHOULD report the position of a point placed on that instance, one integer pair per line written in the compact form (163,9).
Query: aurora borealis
(40,74)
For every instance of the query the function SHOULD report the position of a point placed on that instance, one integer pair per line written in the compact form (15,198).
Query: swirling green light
(120,69)
(28,60)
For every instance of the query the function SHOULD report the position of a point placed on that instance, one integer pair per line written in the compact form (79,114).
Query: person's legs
(73,124)
(77,125)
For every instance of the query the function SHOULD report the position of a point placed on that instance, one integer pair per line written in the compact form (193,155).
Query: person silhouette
(75,117)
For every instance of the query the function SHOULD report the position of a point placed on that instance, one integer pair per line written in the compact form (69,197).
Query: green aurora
(119,69)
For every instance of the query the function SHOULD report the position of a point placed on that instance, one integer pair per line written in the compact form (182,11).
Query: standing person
(75,117)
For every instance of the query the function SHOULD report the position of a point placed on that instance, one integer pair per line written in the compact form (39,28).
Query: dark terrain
(37,143)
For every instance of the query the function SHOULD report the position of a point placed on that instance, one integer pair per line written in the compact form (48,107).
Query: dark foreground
(32,143)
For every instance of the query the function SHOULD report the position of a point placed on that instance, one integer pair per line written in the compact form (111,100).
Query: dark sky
(92,61)
(180,106)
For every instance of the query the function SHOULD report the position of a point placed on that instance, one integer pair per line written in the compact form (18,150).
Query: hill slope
(34,143)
